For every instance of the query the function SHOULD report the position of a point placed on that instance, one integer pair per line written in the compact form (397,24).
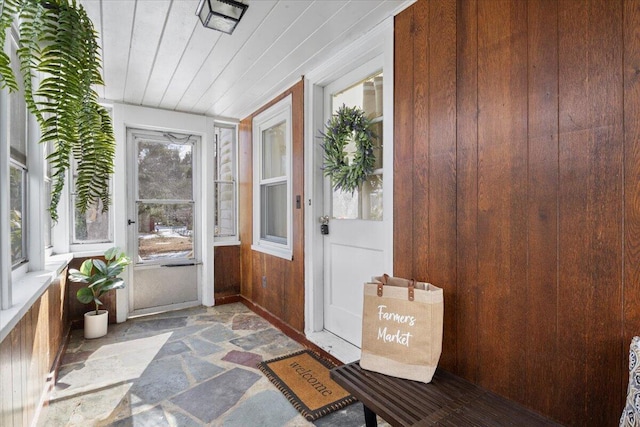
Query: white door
(354,249)
(162,224)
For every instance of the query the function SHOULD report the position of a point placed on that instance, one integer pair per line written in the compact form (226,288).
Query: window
(272,220)
(48,223)
(18,173)
(225,182)
(93,226)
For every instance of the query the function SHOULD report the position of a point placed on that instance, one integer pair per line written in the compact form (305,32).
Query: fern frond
(58,42)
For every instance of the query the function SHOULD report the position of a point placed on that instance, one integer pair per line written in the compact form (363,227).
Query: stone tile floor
(193,367)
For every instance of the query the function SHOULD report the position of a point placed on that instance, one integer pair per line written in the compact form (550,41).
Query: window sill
(226,243)
(270,250)
(28,289)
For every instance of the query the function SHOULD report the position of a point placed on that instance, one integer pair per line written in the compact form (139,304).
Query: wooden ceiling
(157,54)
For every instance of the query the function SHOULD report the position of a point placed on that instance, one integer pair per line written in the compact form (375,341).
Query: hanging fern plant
(58,44)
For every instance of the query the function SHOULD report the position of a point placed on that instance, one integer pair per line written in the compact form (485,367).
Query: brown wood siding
(27,356)
(631,276)
(284,294)
(226,260)
(516,189)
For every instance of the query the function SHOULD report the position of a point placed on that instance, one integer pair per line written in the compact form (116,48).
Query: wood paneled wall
(27,355)
(517,189)
(226,270)
(284,294)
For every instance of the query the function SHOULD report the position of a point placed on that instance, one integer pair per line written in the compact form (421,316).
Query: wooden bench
(448,401)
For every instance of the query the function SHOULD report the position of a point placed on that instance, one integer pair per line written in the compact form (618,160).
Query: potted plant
(100,277)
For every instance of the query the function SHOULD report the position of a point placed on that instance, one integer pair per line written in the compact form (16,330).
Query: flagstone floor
(193,367)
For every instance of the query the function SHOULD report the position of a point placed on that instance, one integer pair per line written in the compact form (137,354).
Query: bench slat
(447,401)
(363,384)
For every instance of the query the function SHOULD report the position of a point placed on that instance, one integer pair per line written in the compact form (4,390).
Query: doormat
(303,377)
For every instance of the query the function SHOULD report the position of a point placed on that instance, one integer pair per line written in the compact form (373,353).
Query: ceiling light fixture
(221,15)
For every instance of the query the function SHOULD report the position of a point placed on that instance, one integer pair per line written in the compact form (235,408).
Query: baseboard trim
(227,299)
(288,330)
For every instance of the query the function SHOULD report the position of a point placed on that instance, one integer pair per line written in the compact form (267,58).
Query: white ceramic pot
(95,325)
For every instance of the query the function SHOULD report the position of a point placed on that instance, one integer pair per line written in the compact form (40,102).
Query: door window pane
(164,171)
(372,198)
(366,201)
(165,231)
(274,151)
(345,204)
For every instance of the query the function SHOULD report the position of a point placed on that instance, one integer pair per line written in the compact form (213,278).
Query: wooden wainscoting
(284,294)
(517,163)
(28,354)
(226,270)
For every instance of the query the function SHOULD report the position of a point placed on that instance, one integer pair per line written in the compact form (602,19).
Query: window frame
(229,239)
(272,116)
(12,289)
(75,244)
(24,223)
(47,231)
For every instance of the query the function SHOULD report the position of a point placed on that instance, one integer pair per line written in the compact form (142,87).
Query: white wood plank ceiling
(157,54)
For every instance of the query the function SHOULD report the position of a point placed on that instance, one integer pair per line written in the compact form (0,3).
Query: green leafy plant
(100,276)
(348,170)
(58,50)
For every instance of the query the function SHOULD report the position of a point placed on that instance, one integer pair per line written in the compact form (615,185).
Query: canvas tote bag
(402,328)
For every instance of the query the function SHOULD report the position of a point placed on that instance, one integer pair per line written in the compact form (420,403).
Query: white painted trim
(235,239)
(36,206)
(28,289)
(378,42)
(227,243)
(207,225)
(270,117)
(164,308)
(131,116)
(388,104)
(314,183)
(5,201)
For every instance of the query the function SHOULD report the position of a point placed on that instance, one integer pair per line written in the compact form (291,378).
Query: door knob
(324,224)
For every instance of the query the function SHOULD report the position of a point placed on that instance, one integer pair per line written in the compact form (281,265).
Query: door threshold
(162,309)
(335,346)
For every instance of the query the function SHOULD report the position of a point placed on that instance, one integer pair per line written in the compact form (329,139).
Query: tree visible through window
(92,226)
(165,199)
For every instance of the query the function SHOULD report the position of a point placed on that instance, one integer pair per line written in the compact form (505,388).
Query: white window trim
(233,240)
(264,120)
(76,245)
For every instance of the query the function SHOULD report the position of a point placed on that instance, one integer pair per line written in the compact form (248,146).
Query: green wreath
(348,124)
